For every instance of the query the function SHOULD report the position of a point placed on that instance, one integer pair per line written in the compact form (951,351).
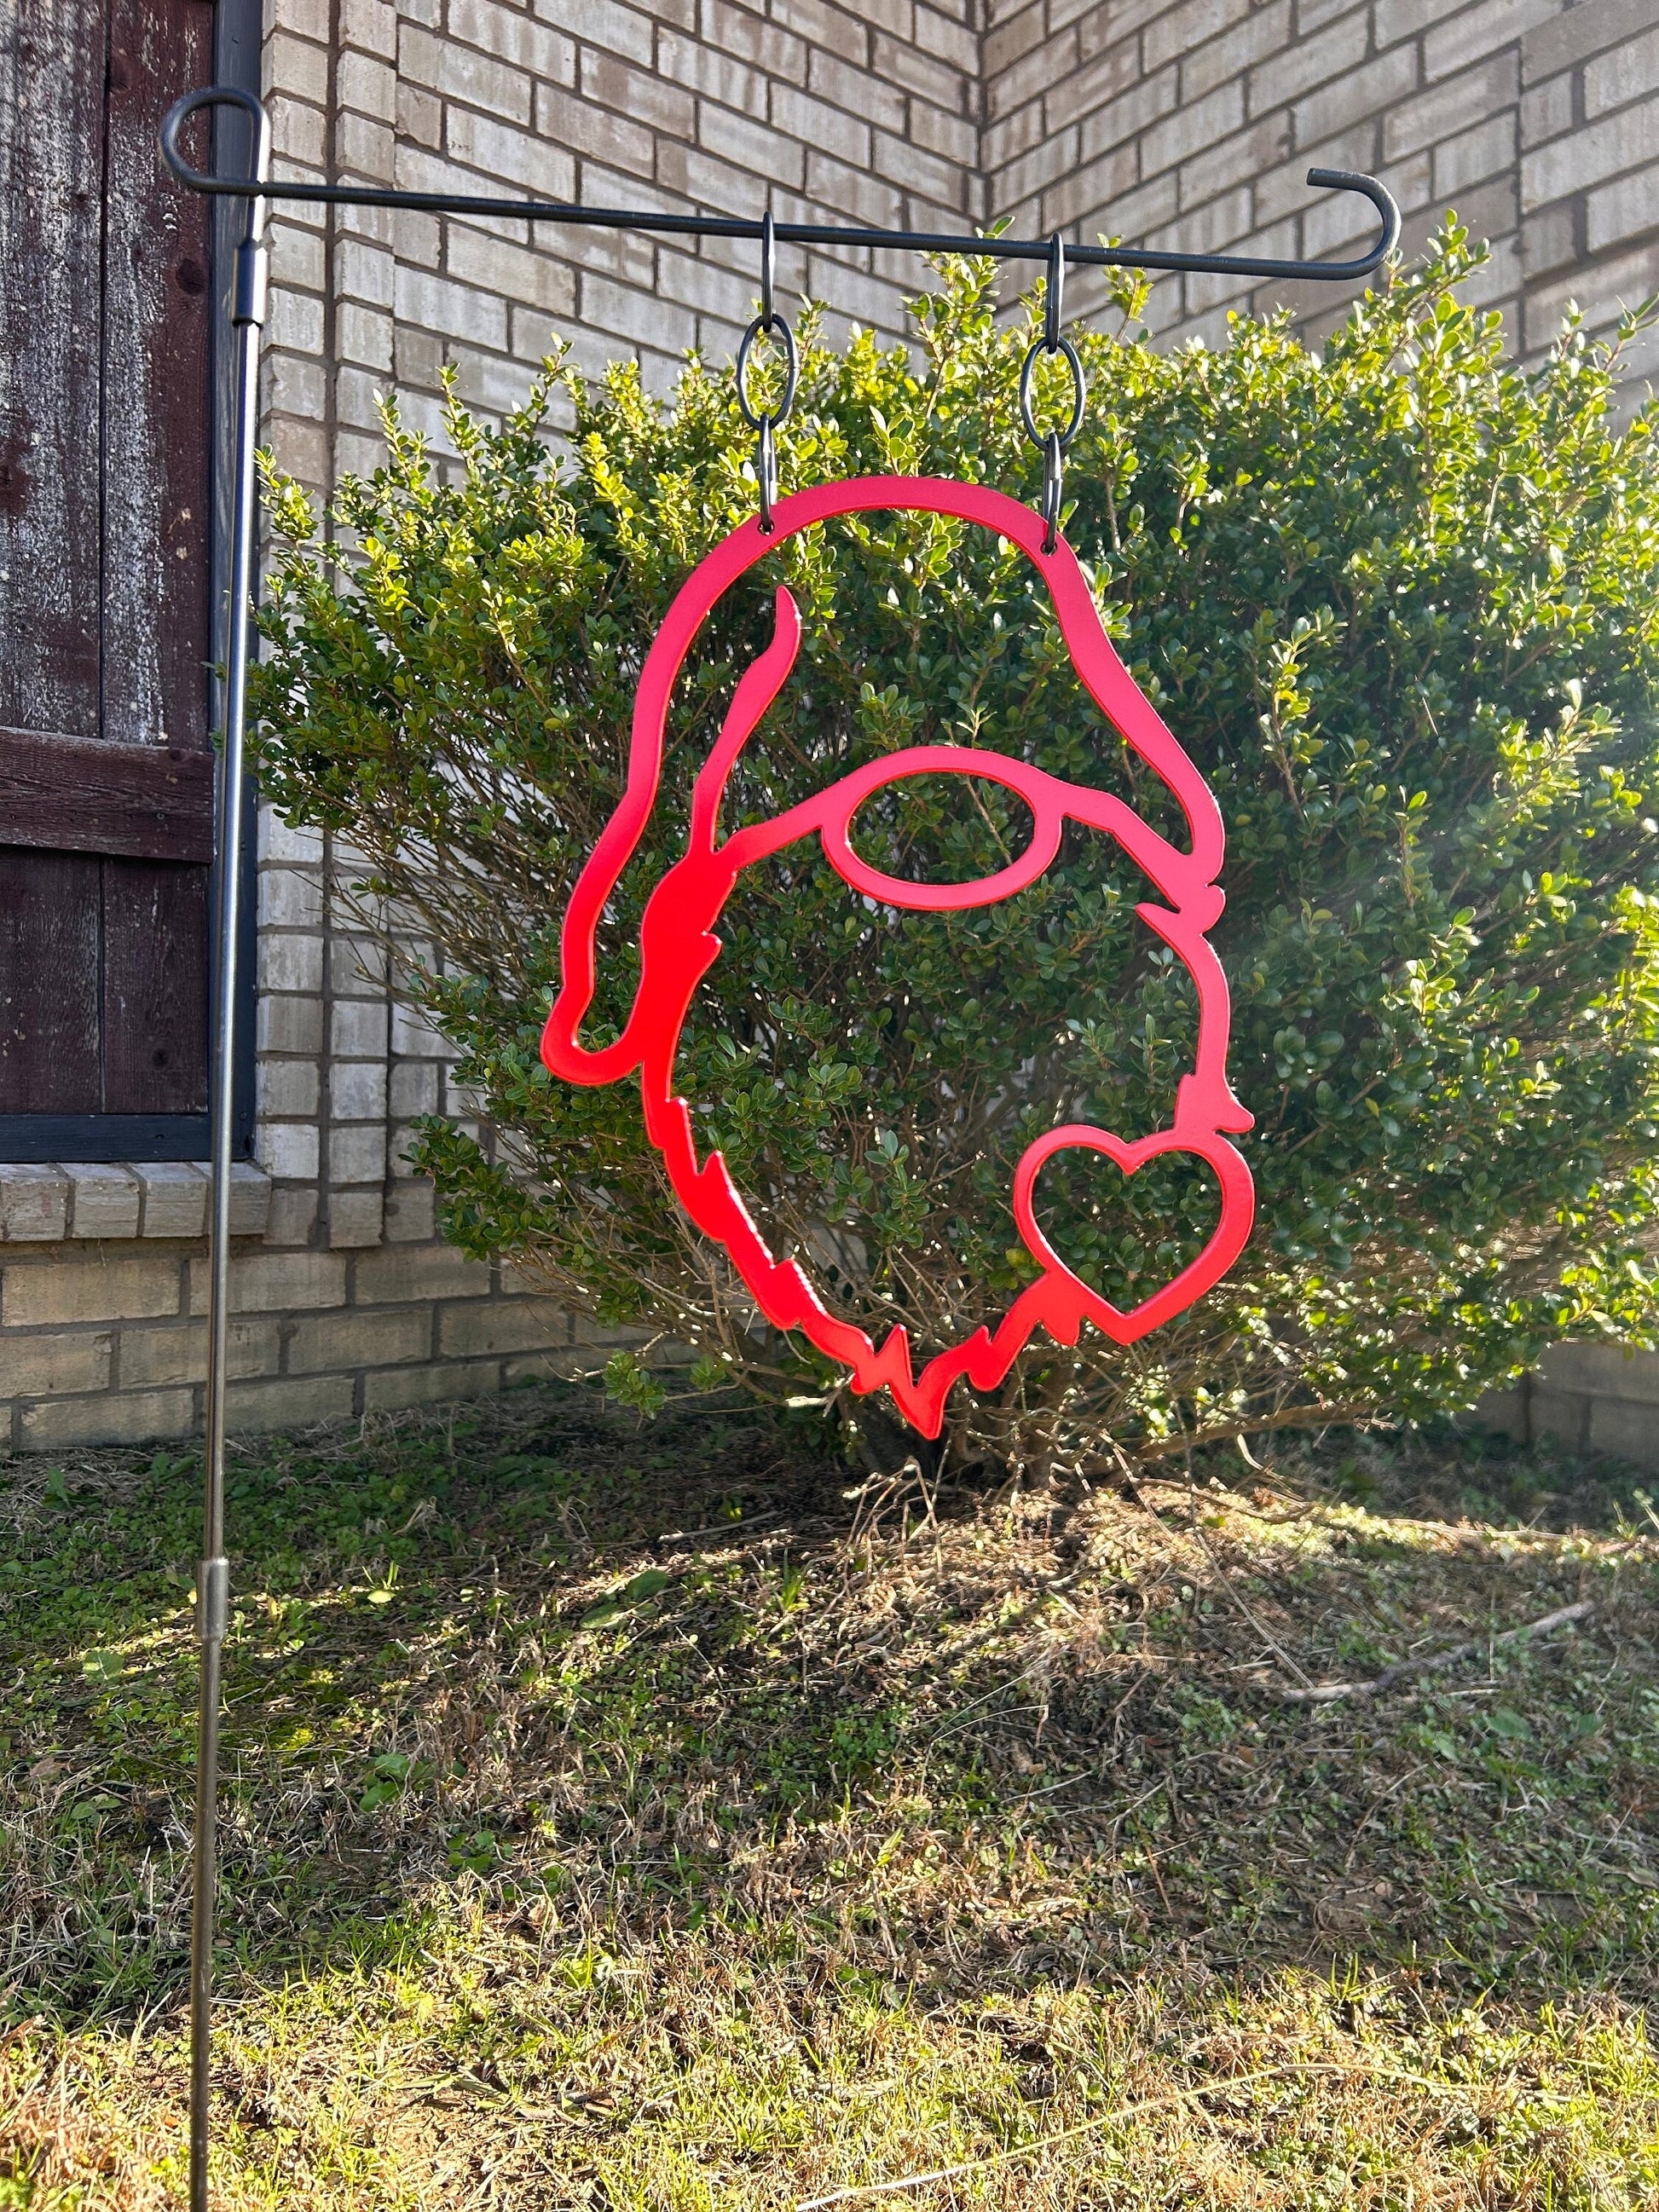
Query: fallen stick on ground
(1222,2083)
(1327,1693)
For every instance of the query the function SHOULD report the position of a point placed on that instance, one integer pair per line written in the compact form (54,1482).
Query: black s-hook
(766,425)
(1054,341)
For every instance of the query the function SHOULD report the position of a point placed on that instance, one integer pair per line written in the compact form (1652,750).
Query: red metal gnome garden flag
(677,944)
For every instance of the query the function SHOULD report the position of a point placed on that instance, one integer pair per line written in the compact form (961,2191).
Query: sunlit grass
(611,1821)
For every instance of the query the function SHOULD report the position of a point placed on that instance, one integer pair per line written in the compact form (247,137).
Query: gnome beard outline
(677,945)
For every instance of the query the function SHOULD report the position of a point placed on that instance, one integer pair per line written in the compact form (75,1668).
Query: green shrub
(1401,604)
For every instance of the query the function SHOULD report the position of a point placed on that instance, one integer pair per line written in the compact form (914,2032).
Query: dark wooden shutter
(106,769)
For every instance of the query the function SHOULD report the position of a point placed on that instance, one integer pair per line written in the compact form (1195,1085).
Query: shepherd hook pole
(247,316)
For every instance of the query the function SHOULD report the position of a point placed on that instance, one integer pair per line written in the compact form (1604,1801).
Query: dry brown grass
(624,1816)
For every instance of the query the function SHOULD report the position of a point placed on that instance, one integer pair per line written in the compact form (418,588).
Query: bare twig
(1222,2084)
(1327,1693)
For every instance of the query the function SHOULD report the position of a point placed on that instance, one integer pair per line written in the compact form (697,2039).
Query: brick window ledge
(56,1203)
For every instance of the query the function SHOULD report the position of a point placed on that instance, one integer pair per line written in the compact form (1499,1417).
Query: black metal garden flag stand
(256,190)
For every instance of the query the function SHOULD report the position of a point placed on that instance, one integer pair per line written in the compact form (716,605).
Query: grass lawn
(622,1815)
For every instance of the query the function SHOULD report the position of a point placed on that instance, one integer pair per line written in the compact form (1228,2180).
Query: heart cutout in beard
(1066,1300)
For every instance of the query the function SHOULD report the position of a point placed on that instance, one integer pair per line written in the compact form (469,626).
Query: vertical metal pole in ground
(213,1582)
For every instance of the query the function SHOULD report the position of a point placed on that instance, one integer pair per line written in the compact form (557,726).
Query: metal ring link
(1080,393)
(777,327)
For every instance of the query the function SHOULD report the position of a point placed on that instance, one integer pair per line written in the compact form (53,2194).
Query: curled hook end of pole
(203,101)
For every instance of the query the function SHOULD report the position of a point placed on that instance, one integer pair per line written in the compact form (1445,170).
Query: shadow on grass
(601,1685)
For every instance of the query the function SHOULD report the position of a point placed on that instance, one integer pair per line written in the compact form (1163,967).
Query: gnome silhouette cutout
(677,945)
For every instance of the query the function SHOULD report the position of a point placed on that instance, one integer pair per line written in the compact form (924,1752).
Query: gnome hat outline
(677,944)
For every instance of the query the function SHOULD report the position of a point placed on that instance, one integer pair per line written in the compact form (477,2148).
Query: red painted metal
(677,946)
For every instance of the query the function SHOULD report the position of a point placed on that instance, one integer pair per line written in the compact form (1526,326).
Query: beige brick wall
(1191,124)
(1186,123)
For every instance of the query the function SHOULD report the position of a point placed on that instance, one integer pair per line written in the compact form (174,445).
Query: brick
(508,157)
(512,36)
(364,273)
(275,1282)
(752,145)
(417,1271)
(1628,74)
(71,1359)
(1235,160)
(1221,223)
(288,1088)
(1630,1431)
(1601,149)
(720,77)
(839,190)
(576,124)
(356,1152)
(356,1219)
(1613,213)
(1126,214)
(956,42)
(629,314)
(1310,62)
(109,1416)
(461,310)
(1362,93)
(104,1200)
(390,1389)
(1451,104)
(646,98)
(309,18)
(290,1152)
(1583,30)
(420,118)
(34,1204)
(1264,32)
(941,84)
(951,136)
(1049,162)
(175,1200)
(410,1212)
(1633,275)
(500,1325)
(937,183)
(1548,241)
(1124,118)
(367,87)
(1547,110)
(371,24)
(361,1337)
(765,47)
(85,1288)
(284,1402)
(1192,129)
(475,80)
(367,149)
(359,1029)
(356,1092)
(704,286)
(281,840)
(1005,142)
(178,1353)
(849,85)
(619,30)
(1480,29)
(290,964)
(299,67)
(1473,155)
(249,1198)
